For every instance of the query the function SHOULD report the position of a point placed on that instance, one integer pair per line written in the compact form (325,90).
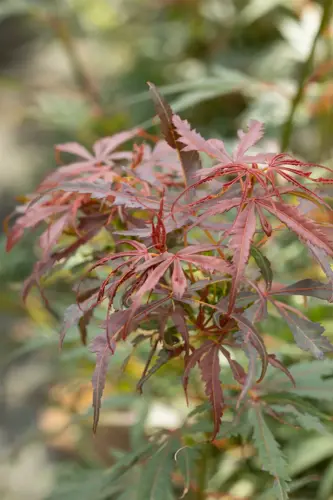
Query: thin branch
(82,78)
(305,72)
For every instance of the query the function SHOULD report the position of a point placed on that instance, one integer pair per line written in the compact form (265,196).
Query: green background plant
(80,74)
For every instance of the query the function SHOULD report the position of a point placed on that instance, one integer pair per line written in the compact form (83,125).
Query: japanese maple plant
(187,254)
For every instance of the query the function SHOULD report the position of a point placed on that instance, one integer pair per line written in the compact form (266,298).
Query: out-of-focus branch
(82,78)
(305,72)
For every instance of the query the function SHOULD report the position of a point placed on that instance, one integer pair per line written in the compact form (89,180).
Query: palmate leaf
(279,490)
(186,459)
(207,356)
(324,262)
(248,331)
(248,139)
(243,231)
(307,334)
(209,365)
(306,229)
(193,360)
(251,334)
(307,421)
(156,481)
(190,160)
(269,453)
(290,399)
(193,141)
(130,459)
(83,484)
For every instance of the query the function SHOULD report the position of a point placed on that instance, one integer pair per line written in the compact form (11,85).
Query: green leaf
(326,483)
(186,458)
(308,453)
(129,460)
(270,455)
(238,427)
(305,420)
(286,398)
(307,334)
(83,485)
(263,264)
(156,482)
(204,407)
(201,426)
(279,490)
(137,431)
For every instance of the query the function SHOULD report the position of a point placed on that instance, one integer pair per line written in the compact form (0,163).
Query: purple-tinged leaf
(195,142)
(209,365)
(51,235)
(72,316)
(189,160)
(191,249)
(31,218)
(115,323)
(83,324)
(100,189)
(145,310)
(306,229)
(272,360)
(307,288)
(74,148)
(243,231)
(307,334)
(238,371)
(248,139)
(154,276)
(162,358)
(100,346)
(178,317)
(218,208)
(179,282)
(249,332)
(208,263)
(103,147)
(250,379)
(323,261)
(193,360)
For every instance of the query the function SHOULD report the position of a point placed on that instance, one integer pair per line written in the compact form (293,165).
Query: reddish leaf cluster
(190,232)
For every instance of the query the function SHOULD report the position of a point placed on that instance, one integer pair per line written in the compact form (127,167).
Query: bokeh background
(77,70)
